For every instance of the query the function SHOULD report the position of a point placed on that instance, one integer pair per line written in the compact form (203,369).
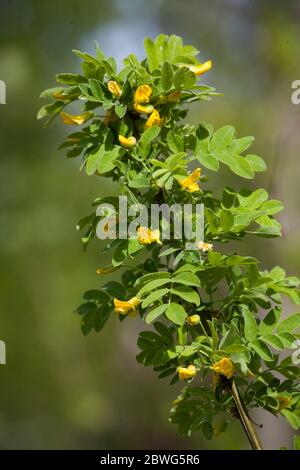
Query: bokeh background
(60,389)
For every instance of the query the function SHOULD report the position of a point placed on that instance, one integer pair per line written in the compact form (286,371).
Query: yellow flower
(127,307)
(77,120)
(146,236)
(190,182)
(127,142)
(200,69)
(153,120)
(143,109)
(114,88)
(142,94)
(193,320)
(205,247)
(224,367)
(186,373)
(283,402)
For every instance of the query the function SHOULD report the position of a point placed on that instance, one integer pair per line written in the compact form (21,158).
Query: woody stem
(244,418)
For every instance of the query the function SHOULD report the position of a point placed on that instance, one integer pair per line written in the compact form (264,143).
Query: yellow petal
(143,109)
(142,94)
(200,69)
(190,182)
(127,306)
(114,88)
(146,236)
(224,367)
(76,120)
(127,142)
(186,373)
(153,120)
(193,320)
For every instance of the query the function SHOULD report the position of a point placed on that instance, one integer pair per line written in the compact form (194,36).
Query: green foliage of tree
(217,317)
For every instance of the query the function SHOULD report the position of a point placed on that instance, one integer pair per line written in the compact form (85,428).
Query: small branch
(244,418)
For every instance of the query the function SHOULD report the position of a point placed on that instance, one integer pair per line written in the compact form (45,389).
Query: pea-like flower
(127,307)
(114,88)
(143,109)
(201,68)
(127,142)
(76,120)
(146,236)
(153,120)
(142,94)
(224,367)
(193,319)
(186,373)
(205,247)
(190,182)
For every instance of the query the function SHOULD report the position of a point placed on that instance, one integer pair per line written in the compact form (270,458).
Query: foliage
(133,132)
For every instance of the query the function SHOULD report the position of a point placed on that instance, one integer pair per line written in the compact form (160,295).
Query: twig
(244,418)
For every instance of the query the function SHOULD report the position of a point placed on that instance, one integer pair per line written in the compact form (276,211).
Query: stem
(244,418)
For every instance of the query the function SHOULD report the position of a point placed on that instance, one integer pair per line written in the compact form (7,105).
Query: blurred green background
(60,389)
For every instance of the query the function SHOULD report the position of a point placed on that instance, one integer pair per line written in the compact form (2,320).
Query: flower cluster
(214,319)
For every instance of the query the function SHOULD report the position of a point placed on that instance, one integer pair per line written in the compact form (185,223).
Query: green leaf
(120,110)
(176,313)
(175,142)
(186,278)
(115,289)
(96,295)
(174,46)
(70,78)
(187,293)
(270,321)
(87,323)
(209,161)
(164,332)
(153,285)
(292,418)
(250,326)
(226,220)
(155,313)
(152,58)
(257,163)
(240,145)
(242,168)
(297,442)
(289,324)
(207,430)
(167,75)
(222,139)
(101,316)
(274,341)
(154,296)
(102,160)
(146,138)
(151,277)
(48,109)
(262,350)
(96,89)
